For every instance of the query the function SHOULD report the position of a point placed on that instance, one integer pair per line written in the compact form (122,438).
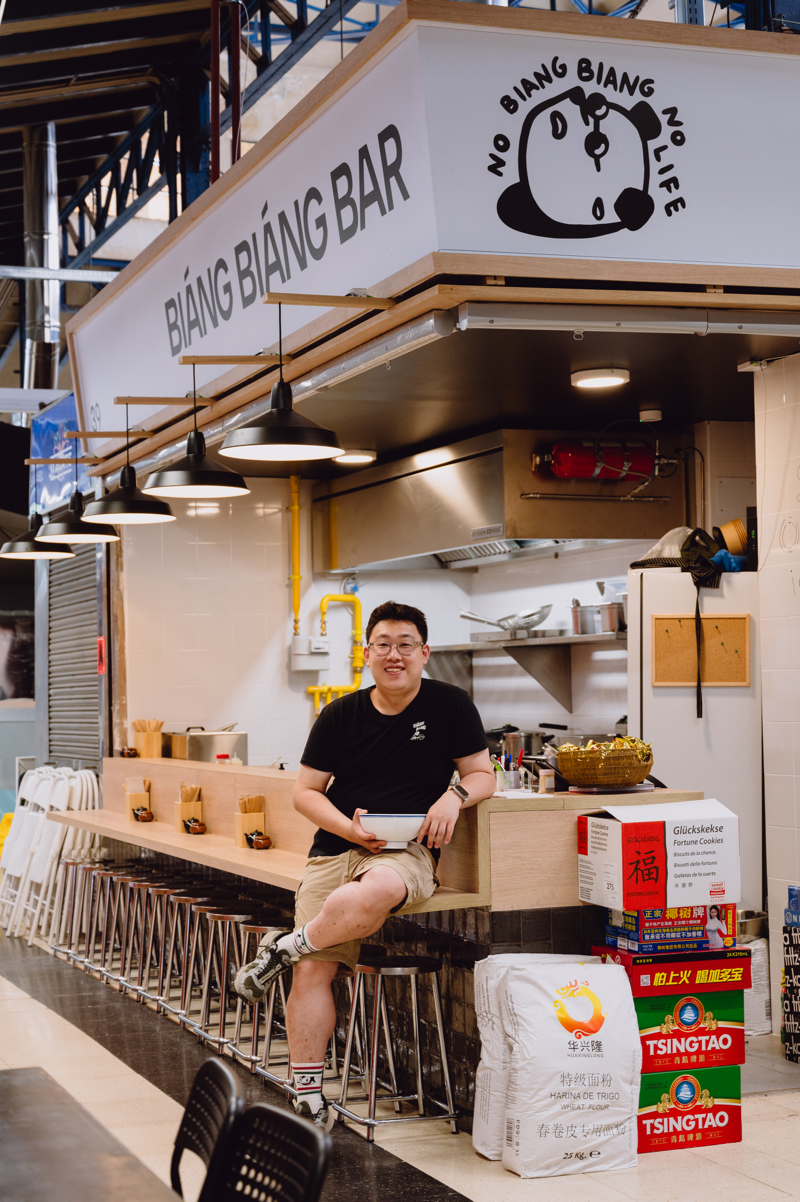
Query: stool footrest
(450,1116)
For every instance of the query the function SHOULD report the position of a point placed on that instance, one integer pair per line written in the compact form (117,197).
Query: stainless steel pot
(204,745)
(509,740)
(606,616)
(750,925)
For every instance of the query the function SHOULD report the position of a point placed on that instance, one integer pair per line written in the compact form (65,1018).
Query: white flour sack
(491,1078)
(573,1084)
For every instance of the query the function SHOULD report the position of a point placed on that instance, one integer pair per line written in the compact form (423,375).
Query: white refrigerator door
(719,753)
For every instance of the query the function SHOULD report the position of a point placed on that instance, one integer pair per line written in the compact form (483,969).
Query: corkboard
(724,650)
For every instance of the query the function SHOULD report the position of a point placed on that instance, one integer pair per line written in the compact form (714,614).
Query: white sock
(307,1080)
(297,944)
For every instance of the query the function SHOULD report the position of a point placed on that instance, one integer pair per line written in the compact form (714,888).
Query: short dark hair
(394,611)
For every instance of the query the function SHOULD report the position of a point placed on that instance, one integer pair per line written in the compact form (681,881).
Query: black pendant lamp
(128,505)
(195,476)
(281,435)
(28,546)
(72,528)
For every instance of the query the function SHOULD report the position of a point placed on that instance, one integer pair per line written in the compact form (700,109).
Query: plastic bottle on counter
(223,758)
(234,759)
(547,780)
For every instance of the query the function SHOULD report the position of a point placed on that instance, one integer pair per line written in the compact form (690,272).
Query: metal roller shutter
(74,699)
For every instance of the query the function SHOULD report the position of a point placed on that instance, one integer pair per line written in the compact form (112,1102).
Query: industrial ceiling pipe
(235,45)
(214,66)
(40,216)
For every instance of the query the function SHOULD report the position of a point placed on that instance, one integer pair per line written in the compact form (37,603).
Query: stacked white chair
(31,889)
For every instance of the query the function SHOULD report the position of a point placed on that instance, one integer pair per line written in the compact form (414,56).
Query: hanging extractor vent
(469,505)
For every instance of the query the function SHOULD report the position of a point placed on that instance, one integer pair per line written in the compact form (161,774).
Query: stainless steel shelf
(616,638)
(547,660)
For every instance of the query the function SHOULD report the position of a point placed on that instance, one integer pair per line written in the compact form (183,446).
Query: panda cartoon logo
(584,168)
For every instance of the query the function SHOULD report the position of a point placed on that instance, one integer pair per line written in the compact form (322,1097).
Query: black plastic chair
(215,1101)
(272,1156)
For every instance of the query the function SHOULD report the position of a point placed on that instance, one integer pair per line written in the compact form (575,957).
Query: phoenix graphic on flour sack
(579,1027)
(584,168)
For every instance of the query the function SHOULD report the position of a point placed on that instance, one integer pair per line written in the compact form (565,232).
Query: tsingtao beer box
(687,1109)
(689,1031)
(658,857)
(662,976)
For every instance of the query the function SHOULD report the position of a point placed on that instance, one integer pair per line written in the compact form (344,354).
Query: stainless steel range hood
(461,506)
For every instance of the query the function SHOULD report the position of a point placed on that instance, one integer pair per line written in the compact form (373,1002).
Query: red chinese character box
(657,857)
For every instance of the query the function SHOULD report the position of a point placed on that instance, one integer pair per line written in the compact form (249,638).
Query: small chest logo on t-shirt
(419,732)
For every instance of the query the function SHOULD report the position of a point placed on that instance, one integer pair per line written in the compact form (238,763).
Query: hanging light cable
(195,476)
(127,505)
(27,545)
(281,435)
(72,528)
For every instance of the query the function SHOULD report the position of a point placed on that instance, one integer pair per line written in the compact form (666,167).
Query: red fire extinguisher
(584,459)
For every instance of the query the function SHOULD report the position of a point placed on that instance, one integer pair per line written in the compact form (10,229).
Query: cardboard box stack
(678,929)
(668,876)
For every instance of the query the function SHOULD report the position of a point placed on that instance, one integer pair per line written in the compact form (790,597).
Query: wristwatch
(461,792)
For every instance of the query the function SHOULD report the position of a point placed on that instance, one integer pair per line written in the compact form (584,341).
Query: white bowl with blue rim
(397,829)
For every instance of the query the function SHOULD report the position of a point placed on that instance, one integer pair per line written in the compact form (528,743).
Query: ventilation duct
(466,505)
(40,215)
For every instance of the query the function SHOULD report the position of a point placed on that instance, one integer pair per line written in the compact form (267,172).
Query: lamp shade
(128,505)
(28,546)
(281,435)
(195,476)
(73,529)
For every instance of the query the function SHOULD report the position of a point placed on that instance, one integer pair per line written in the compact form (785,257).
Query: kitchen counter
(508,853)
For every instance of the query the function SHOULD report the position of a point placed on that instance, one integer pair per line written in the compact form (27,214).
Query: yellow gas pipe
(294,510)
(327,690)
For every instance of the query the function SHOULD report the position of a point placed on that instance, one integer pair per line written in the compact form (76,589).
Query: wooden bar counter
(506,853)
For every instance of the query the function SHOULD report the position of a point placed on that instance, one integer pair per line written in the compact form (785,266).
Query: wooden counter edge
(214,851)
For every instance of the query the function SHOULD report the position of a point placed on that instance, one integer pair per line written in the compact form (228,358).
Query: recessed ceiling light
(649,411)
(600,377)
(356,457)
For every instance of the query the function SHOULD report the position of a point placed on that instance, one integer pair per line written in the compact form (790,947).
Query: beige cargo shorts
(323,874)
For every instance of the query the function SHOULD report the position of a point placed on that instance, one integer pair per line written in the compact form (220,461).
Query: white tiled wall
(208,619)
(777,402)
(208,624)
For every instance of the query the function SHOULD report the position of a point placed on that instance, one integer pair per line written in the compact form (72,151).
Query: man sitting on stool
(390,749)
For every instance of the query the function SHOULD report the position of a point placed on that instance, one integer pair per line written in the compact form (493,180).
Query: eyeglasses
(405,649)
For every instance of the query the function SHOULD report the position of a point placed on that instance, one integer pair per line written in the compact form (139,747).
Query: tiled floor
(47,1010)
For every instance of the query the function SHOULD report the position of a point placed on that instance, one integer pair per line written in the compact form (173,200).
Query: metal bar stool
(78,918)
(256,929)
(115,927)
(197,948)
(159,938)
(395,966)
(223,959)
(180,935)
(124,921)
(64,906)
(99,911)
(139,942)
(128,897)
(149,930)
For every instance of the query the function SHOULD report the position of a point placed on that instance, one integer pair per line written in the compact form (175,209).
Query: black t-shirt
(390,763)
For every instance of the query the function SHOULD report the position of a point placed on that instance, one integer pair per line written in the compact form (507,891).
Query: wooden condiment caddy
(248,818)
(189,806)
(136,799)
